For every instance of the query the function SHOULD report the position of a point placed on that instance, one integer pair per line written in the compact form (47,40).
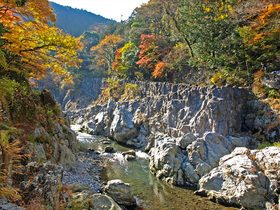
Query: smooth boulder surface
(120,192)
(100,201)
(184,160)
(247,178)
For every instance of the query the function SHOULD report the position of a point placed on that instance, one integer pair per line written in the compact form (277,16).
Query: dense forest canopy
(203,42)
(199,42)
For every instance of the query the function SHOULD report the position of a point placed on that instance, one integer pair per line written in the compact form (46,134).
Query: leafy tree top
(29,45)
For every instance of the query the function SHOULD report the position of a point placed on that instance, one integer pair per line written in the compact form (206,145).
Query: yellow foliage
(41,47)
(131,92)
(106,50)
(218,77)
(207,9)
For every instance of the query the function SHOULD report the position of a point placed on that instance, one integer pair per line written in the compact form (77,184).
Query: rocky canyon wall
(170,109)
(187,130)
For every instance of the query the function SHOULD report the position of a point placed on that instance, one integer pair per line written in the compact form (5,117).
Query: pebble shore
(87,171)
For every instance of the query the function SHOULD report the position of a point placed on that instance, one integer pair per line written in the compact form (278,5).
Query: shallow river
(150,192)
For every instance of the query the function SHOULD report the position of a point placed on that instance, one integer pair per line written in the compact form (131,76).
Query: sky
(113,9)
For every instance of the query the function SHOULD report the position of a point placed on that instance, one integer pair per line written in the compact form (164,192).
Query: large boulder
(81,192)
(244,178)
(66,158)
(164,162)
(120,192)
(85,198)
(99,123)
(184,160)
(122,128)
(100,201)
(63,141)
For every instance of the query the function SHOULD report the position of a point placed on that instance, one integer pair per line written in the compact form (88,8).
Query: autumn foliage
(152,49)
(29,46)
(203,37)
(125,60)
(159,69)
(105,51)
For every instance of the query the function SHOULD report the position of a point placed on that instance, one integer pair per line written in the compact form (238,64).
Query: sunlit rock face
(79,97)
(183,126)
(185,164)
(187,131)
(174,110)
(272,80)
(248,178)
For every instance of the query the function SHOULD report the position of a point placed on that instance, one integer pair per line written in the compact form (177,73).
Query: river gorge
(150,192)
(199,137)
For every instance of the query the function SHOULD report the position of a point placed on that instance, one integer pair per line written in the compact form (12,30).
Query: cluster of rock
(116,195)
(272,80)
(43,186)
(51,151)
(247,178)
(56,176)
(169,109)
(89,191)
(184,160)
(87,171)
(64,145)
(188,130)
(60,141)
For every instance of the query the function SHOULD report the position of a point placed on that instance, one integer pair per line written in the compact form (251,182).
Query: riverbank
(150,192)
(87,171)
(186,130)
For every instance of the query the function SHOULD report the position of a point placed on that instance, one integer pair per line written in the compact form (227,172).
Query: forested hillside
(197,42)
(76,21)
(29,49)
(186,41)
(202,42)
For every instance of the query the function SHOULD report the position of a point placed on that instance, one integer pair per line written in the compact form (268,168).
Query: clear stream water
(150,192)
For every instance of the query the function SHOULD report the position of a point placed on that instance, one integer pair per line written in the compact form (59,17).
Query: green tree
(105,51)
(207,27)
(125,61)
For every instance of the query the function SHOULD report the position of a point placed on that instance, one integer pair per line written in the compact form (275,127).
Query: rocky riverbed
(187,130)
(138,182)
(87,171)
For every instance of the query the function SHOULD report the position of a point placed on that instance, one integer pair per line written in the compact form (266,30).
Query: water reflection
(150,192)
